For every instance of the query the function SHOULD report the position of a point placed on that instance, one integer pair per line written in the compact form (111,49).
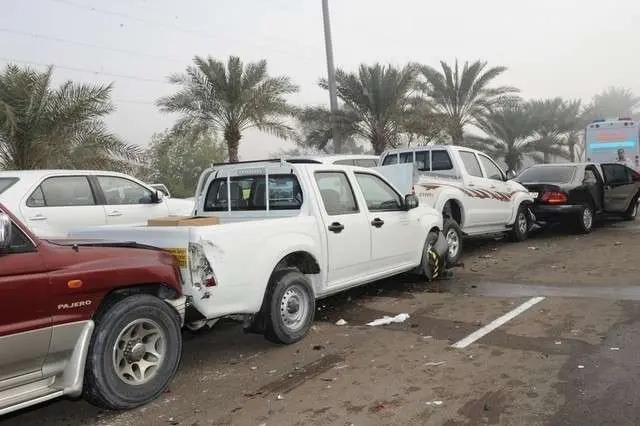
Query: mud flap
(437,258)
(532,218)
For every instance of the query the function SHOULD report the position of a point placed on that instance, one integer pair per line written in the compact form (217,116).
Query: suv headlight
(201,272)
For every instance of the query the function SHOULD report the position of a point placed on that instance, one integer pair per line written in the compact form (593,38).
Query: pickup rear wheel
(134,354)
(292,306)
(632,211)
(453,235)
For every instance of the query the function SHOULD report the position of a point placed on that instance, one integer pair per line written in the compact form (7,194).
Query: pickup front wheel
(292,305)
(453,235)
(134,353)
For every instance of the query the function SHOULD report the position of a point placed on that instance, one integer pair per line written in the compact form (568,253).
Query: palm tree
(230,98)
(316,130)
(377,97)
(558,120)
(464,97)
(511,136)
(612,103)
(45,127)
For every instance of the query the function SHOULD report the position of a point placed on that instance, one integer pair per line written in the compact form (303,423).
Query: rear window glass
(548,174)
(6,183)
(249,193)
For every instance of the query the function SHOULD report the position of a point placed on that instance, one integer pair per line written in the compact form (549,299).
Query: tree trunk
(378,143)
(547,157)
(456,133)
(232,137)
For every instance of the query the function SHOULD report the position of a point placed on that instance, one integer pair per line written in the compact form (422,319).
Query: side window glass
(615,174)
(337,194)
(249,193)
(378,194)
(366,163)
(493,171)
(344,162)
(121,191)
(62,191)
(20,243)
(471,163)
(422,161)
(406,157)
(440,160)
(390,159)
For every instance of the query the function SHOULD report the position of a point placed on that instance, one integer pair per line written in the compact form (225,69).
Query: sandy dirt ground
(571,359)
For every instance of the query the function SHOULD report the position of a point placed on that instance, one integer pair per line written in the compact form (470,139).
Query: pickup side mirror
(157,196)
(510,175)
(5,231)
(411,202)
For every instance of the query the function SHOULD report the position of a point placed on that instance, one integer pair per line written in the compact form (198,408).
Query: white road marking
(496,323)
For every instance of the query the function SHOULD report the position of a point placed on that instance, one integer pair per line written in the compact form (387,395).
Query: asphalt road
(572,358)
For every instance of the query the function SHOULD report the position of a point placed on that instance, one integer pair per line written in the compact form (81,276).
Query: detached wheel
(134,354)
(292,306)
(632,211)
(453,235)
(520,230)
(585,219)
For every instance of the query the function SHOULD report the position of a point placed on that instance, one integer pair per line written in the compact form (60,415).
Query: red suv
(89,318)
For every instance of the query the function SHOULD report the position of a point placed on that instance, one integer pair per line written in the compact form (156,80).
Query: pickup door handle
(114,213)
(377,222)
(472,184)
(336,227)
(38,217)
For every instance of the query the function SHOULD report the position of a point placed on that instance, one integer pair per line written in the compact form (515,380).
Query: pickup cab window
(434,160)
(490,168)
(471,163)
(378,194)
(249,193)
(336,192)
(390,159)
(62,191)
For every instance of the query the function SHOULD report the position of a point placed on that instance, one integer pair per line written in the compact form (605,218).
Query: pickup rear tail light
(554,197)
(201,272)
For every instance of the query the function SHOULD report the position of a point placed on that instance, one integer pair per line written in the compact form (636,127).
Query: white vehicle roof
(429,148)
(332,158)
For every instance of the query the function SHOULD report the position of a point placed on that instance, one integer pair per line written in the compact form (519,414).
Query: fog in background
(568,48)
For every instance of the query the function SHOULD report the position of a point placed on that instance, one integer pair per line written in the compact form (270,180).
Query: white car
(361,160)
(51,202)
(469,188)
(287,235)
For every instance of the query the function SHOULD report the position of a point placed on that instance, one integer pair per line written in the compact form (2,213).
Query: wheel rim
(294,308)
(634,212)
(522,223)
(139,351)
(453,241)
(587,218)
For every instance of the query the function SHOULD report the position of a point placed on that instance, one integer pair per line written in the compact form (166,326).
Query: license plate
(534,194)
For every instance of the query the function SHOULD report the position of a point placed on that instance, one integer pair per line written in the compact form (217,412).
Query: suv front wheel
(134,354)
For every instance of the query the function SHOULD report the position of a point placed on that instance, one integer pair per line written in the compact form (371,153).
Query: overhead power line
(85,70)
(178,28)
(89,45)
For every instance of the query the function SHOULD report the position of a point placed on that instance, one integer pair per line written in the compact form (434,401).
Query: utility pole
(331,78)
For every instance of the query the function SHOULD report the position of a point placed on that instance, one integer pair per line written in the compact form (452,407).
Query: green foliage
(613,103)
(45,127)
(230,98)
(377,100)
(177,160)
(464,96)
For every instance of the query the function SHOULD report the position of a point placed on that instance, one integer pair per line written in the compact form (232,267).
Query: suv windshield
(547,174)
(5,183)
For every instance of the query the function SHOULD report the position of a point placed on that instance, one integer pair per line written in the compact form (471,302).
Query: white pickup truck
(289,234)
(469,188)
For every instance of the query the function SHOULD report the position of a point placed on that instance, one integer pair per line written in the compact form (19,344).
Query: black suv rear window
(547,174)
(6,183)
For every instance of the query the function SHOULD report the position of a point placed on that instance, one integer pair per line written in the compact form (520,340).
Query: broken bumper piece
(437,258)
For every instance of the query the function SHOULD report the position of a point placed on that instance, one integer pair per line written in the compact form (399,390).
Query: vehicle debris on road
(388,320)
(341,322)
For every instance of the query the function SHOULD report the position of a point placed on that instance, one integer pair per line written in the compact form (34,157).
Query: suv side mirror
(510,174)
(411,201)
(5,231)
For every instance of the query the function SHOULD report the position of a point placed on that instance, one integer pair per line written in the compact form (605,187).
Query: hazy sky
(569,48)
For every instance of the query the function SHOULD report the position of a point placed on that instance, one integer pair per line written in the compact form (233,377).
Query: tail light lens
(554,197)
(201,272)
